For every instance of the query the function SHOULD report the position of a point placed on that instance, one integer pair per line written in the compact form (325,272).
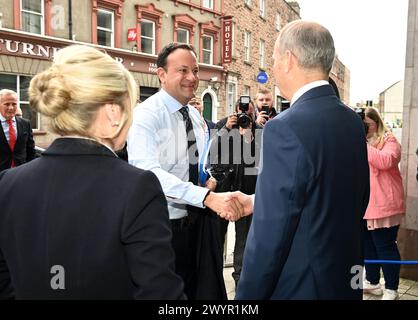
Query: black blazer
(24,150)
(101,220)
(305,240)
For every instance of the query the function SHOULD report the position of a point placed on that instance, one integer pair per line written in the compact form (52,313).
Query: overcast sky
(370,39)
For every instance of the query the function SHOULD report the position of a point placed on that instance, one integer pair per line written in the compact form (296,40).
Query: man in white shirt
(167,138)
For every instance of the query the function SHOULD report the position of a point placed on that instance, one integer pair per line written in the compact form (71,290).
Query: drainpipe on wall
(70,20)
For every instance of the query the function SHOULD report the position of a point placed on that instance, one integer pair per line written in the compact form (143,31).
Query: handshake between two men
(230,205)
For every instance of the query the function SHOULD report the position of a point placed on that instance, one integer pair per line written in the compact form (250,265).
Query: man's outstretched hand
(245,200)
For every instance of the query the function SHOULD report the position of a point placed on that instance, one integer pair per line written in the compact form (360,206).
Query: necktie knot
(9,122)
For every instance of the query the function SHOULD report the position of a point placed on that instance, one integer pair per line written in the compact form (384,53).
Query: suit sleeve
(280,195)
(30,144)
(6,290)
(146,236)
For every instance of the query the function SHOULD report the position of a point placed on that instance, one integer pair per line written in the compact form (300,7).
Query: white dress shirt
(302,90)
(5,127)
(157,141)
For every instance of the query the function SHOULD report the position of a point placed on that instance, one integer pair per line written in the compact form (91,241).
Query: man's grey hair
(311,43)
(6,92)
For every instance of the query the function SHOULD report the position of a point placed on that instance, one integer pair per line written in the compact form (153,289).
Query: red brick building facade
(256,25)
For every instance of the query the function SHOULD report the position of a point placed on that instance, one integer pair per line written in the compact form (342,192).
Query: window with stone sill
(262,53)
(207,49)
(183,35)
(247,46)
(263,8)
(32,15)
(207,4)
(231,96)
(105,28)
(147,36)
(278,22)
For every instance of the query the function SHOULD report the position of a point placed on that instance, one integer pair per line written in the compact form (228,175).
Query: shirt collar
(172,104)
(3,119)
(302,90)
(87,138)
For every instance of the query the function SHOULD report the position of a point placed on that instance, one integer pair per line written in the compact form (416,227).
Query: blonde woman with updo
(386,207)
(89,225)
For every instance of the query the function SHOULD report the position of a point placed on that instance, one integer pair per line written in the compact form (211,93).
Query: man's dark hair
(170,48)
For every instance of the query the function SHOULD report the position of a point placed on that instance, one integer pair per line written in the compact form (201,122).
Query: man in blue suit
(305,238)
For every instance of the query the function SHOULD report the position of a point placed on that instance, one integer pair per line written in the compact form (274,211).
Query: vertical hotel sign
(227,40)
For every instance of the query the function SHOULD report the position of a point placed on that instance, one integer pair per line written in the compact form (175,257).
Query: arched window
(207,104)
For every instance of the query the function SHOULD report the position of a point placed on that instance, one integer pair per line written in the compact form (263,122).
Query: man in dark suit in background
(16,139)
(313,189)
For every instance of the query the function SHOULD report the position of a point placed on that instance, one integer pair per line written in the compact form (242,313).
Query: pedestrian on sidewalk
(386,207)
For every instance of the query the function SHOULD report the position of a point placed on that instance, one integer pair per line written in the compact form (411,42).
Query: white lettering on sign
(152,67)
(29,49)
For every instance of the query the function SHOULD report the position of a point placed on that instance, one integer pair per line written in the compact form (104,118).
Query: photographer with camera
(237,138)
(264,103)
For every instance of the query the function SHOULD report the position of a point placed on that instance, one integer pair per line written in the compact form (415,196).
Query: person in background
(239,172)
(92,226)
(386,207)
(198,104)
(264,107)
(16,138)
(208,126)
(19,112)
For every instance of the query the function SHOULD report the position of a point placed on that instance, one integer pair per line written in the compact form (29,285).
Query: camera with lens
(361,113)
(266,109)
(243,119)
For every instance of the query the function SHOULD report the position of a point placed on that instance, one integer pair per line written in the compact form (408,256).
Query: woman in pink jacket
(386,207)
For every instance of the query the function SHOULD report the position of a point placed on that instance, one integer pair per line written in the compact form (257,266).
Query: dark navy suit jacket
(311,195)
(102,220)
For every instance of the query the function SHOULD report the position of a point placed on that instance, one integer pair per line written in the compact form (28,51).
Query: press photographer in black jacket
(234,164)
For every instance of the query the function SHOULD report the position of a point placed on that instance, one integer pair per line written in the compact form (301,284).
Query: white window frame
(231,96)
(278,22)
(207,50)
(262,50)
(208,4)
(112,31)
(145,37)
(247,46)
(262,8)
(42,14)
(247,91)
(187,33)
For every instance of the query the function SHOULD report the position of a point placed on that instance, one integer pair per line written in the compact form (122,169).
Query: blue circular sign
(262,77)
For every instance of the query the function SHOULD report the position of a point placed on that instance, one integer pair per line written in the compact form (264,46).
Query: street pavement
(408,289)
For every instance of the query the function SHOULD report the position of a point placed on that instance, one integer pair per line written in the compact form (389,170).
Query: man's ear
(289,61)
(162,75)
(113,113)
